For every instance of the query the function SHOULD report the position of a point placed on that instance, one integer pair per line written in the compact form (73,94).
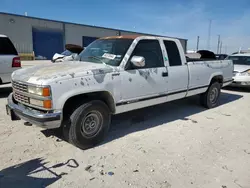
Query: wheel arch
(216,78)
(76,100)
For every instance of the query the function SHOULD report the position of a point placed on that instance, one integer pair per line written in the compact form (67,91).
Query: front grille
(20,86)
(21,98)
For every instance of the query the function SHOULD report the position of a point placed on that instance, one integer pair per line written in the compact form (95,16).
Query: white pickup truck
(111,76)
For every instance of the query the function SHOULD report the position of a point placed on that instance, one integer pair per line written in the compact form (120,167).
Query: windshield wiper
(95,57)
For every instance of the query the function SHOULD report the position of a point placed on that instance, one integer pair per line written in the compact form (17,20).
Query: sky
(177,18)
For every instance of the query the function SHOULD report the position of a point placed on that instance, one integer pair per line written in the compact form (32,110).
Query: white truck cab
(9,60)
(112,75)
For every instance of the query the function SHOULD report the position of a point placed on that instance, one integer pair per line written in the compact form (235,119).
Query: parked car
(71,52)
(123,73)
(241,70)
(221,56)
(9,59)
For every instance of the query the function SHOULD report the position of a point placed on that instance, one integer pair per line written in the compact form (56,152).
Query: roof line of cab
(135,36)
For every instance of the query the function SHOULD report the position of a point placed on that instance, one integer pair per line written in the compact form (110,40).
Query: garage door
(87,40)
(47,42)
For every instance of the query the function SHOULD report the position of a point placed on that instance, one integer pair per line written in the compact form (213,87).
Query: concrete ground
(178,145)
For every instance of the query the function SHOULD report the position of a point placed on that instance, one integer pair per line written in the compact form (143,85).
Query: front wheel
(89,124)
(210,98)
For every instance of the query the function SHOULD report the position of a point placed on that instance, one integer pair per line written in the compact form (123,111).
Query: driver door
(148,82)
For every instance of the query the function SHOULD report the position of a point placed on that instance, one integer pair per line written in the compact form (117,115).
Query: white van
(9,59)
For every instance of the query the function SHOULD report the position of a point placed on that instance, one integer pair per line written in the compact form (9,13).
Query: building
(45,37)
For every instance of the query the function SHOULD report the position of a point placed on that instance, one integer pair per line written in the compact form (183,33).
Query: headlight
(246,73)
(42,103)
(36,102)
(39,91)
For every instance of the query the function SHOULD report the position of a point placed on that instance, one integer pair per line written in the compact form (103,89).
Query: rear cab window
(6,47)
(174,57)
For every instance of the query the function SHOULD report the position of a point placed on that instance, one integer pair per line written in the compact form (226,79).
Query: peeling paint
(99,74)
(72,75)
(82,83)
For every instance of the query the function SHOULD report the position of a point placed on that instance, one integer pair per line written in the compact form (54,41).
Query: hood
(241,68)
(44,74)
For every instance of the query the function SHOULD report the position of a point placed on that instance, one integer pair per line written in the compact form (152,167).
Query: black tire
(210,98)
(88,124)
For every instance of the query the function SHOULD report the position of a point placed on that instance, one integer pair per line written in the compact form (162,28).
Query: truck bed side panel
(202,72)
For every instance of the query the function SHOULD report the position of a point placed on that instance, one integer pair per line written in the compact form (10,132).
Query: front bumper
(44,120)
(240,84)
(241,81)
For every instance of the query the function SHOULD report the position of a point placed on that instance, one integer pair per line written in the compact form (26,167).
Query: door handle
(164,74)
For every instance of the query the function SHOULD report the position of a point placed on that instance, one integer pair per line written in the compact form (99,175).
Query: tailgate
(6,64)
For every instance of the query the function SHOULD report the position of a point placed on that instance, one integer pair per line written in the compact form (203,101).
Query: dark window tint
(173,53)
(240,60)
(6,47)
(151,51)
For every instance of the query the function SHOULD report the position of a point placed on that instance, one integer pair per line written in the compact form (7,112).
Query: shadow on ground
(238,89)
(138,120)
(32,173)
(5,91)
(150,117)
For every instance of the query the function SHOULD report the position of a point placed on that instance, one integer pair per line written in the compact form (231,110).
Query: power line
(198,41)
(218,45)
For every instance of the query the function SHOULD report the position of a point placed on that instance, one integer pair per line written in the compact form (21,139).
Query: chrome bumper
(240,84)
(45,120)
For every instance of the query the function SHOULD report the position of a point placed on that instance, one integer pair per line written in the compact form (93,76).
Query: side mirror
(75,57)
(138,61)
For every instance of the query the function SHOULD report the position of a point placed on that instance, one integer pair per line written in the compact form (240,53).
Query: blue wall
(87,40)
(47,42)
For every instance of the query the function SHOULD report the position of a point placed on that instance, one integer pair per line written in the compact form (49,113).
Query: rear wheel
(88,124)
(210,98)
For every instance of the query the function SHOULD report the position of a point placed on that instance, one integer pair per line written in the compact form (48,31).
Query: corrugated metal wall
(74,33)
(19,29)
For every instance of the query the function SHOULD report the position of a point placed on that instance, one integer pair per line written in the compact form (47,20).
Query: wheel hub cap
(91,123)
(214,95)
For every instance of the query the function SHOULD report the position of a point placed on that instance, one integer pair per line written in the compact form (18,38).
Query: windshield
(67,53)
(240,60)
(107,51)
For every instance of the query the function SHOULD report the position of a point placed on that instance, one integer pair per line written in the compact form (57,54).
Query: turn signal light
(47,104)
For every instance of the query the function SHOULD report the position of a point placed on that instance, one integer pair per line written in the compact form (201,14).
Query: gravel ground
(178,144)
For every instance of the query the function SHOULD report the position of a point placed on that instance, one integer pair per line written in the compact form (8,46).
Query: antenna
(209,34)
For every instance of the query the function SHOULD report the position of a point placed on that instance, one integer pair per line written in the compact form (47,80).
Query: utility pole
(198,41)
(218,45)
(209,34)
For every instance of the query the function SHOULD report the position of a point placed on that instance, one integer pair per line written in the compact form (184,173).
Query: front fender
(63,90)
